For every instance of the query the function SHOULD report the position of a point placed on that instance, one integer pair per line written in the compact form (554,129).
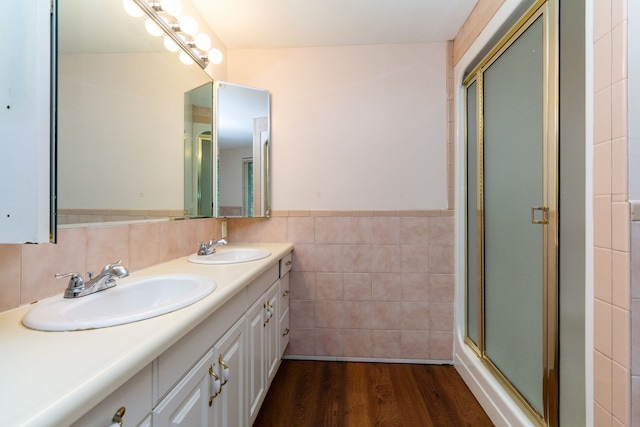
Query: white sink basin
(132,299)
(230,256)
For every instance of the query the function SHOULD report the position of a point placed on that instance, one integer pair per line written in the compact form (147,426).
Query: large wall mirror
(125,114)
(135,127)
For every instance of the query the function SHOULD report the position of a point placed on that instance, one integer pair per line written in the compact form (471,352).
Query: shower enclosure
(511,212)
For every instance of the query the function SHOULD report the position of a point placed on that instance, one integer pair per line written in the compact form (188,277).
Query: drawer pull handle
(117,417)
(286,332)
(288,263)
(215,385)
(285,293)
(225,370)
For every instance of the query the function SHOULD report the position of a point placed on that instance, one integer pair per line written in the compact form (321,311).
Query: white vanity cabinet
(216,375)
(285,267)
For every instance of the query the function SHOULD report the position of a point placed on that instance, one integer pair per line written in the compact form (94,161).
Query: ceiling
(246,24)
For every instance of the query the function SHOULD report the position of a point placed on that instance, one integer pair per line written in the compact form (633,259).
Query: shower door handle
(544,219)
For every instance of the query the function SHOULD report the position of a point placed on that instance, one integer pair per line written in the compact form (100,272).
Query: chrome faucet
(77,286)
(209,248)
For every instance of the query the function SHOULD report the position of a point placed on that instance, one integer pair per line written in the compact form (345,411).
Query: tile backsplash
(26,271)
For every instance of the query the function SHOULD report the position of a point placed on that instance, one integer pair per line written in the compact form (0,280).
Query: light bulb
(215,56)
(132,9)
(185,59)
(170,44)
(172,7)
(188,25)
(203,42)
(153,28)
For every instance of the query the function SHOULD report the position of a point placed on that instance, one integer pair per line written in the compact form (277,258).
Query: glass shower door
(513,183)
(512,239)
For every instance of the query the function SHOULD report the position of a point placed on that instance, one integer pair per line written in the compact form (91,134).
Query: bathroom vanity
(210,363)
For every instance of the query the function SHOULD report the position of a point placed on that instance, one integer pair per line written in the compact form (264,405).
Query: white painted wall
(353,127)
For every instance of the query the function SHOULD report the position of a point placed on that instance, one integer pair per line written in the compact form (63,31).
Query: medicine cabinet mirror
(242,148)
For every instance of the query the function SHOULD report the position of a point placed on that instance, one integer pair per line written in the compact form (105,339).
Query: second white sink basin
(132,299)
(230,256)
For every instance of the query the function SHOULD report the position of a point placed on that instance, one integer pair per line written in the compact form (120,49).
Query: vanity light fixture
(181,32)
(170,44)
(152,28)
(172,7)
(185,59)
(132,9)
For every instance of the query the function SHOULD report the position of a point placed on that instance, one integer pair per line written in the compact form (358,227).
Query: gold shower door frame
(548,9)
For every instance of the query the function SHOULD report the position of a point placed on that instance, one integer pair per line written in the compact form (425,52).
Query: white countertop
(53,378)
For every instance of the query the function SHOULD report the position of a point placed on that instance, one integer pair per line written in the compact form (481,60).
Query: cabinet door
(188,403)
(257,374)
(272,331)
(284,313)
(27,162)
(284,331)
(229,406)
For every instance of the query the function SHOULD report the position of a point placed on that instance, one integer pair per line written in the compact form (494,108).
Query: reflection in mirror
(243,139)
(121,128)
(198,152)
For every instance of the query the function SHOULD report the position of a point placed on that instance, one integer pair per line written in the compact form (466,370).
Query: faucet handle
(76,280)
(202,250)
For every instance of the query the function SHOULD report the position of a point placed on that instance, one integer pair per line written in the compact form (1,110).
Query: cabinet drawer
(134,396)
(260,285)
(285,264)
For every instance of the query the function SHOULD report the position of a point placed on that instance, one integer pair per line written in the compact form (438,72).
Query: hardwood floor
(311,393)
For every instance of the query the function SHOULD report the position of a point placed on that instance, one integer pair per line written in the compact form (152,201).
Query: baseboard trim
(368,359)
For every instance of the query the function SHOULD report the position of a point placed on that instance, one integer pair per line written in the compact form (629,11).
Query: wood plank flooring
(312,393)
